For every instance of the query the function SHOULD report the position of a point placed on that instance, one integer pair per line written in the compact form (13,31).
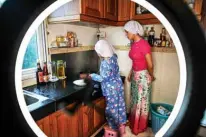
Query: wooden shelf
(122,47)
(69,50)
(87,48)
(154,49)
(164,49)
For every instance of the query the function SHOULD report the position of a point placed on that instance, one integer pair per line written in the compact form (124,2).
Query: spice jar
(59,39)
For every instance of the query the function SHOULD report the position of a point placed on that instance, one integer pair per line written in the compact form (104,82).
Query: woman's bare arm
(150,64)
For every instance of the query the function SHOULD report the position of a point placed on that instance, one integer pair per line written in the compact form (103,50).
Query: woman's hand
(152,78)
(129,78)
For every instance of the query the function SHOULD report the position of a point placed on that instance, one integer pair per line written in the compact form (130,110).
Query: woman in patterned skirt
(140,76)
(111,85)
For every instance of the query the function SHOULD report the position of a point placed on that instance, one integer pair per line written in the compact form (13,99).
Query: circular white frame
(56,5)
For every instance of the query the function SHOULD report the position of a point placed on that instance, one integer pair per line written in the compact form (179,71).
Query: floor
(202,132)
(149,133)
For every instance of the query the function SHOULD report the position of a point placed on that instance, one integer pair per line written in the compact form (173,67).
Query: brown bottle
(39,74)
(45,73)
(163,37)
(151,37)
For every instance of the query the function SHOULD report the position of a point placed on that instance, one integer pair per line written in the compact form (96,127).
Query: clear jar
(61,65)
(53,70)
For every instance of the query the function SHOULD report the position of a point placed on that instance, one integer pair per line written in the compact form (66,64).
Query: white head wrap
(134,27)
(103,48)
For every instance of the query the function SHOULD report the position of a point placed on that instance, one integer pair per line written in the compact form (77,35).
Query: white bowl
(80,82)
(53,79)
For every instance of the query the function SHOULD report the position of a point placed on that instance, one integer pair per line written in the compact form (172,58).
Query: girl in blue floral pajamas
(111,84)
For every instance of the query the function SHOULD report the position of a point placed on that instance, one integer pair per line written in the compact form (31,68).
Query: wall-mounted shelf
(154,49)
(87,48)
(164,49)
(69,50)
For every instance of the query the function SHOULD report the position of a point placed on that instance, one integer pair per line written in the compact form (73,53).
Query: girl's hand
(83,76)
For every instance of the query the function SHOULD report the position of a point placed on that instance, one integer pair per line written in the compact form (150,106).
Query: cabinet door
(123,10)
(203,21)
(198,8)
(93,8)
(143,18)
(110,9)
(44,125)
(99,113)
(88,120)
(65,125)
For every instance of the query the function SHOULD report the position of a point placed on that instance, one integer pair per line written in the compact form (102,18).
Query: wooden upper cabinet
(93,8)
(198,8)
(203,20)
(44,125)
(143,18)
(124,10)
(133,14)
(110,9)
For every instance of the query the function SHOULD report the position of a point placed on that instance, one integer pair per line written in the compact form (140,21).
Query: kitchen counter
(62,93)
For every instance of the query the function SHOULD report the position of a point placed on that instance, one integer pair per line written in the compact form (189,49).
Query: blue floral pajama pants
(114,103)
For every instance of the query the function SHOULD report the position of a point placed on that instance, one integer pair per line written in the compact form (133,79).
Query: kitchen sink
(33,100)
(30,100)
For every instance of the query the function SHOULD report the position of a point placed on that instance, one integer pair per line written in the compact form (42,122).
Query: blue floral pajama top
(112,89)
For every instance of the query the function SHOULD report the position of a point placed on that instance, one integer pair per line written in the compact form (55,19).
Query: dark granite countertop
(56,90)
(61,94)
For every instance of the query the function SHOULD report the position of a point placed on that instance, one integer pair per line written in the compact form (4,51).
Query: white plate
(80,82)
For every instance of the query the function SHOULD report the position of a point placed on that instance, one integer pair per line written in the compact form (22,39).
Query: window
(2,2)
(36,49)
(31,54)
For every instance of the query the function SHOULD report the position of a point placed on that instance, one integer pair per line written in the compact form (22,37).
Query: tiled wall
(166,71)
(116,35)
(86,35)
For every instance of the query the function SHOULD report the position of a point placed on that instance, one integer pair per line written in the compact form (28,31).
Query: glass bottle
(45,72)
(53,70)
(146,33)
(138,9)
(151,37)
(61,69)
(39,74)
(163,37)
